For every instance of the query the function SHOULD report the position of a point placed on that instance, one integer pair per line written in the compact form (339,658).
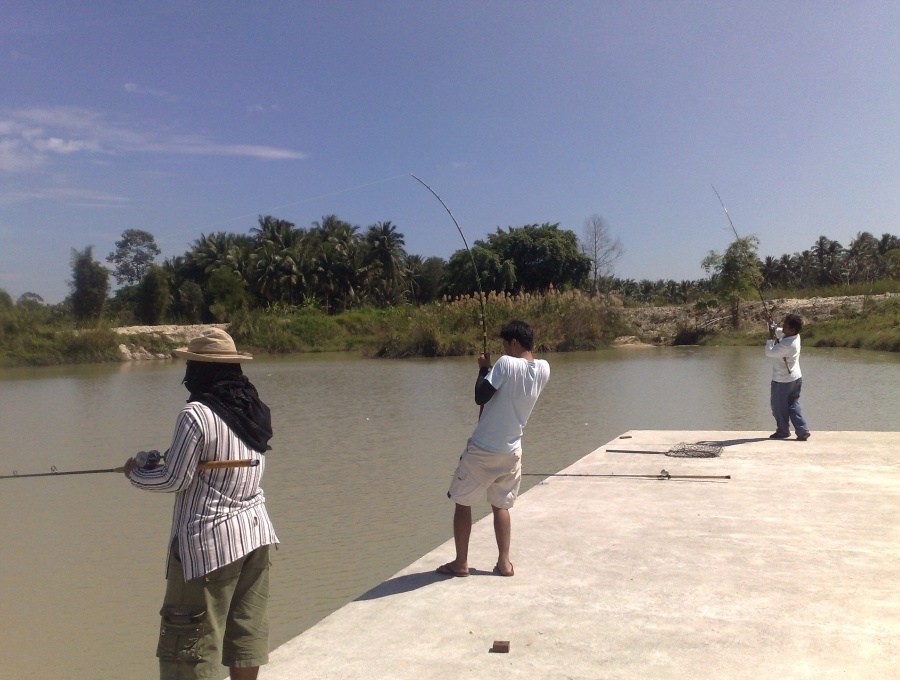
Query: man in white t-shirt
(491,465)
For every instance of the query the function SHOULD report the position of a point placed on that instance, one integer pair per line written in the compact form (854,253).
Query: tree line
(331,265)
(335,266)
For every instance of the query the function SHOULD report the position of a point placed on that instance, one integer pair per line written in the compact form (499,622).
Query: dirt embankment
(659,325)
(177,334)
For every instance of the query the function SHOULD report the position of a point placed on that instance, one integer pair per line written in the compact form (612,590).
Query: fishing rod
(761,298)
(474,266)
(209,465)
(663,474)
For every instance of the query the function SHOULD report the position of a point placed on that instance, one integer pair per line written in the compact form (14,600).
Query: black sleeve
(483,389)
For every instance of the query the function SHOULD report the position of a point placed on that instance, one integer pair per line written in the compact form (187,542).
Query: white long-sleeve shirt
(220,515)
(785,356)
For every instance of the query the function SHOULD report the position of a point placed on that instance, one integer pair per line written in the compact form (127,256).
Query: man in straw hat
(217,591)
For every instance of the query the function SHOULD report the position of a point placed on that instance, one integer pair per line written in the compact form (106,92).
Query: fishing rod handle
(219,464)
(216,465)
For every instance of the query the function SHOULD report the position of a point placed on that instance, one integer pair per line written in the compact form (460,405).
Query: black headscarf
(229,393)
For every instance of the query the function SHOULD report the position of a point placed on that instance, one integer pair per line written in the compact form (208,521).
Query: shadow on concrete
(410,582)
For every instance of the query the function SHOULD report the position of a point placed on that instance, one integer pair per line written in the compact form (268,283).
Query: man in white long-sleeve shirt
(783,348)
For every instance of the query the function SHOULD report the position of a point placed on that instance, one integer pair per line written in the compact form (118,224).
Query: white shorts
(486,475)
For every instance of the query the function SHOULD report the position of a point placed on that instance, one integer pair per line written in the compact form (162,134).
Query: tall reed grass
(562,321)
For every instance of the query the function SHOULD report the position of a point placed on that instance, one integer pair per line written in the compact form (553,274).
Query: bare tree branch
(602,249)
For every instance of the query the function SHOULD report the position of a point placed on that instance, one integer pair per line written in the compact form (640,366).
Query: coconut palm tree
(385,257)
(280,265)
(828,259)
(862,258)
(769,270)
(208,252)
(339,263)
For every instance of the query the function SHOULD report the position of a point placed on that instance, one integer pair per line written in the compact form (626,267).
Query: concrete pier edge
(787,570)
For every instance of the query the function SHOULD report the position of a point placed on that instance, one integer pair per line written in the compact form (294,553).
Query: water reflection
(356,483)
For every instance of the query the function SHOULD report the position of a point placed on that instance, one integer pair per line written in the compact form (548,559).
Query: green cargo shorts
(218,619)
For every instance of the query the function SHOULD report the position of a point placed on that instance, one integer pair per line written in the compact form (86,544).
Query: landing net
(686,450)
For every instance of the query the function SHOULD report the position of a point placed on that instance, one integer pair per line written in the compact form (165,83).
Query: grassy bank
(49,345)
(875,327)
(563,322)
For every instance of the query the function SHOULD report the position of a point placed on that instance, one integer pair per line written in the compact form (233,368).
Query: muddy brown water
(356,483)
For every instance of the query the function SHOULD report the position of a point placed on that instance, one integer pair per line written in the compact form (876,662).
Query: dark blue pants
(786,407)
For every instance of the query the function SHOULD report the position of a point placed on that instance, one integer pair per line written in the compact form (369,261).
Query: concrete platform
(790,569)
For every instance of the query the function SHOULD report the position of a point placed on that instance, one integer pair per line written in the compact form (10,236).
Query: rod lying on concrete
(663,474)
(210,465)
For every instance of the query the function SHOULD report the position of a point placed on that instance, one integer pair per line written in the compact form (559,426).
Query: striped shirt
(220,515)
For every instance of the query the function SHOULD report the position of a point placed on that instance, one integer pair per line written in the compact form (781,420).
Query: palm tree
(238,257)
(786,271)
(769,271)
(386,257)
(272,230)
(887,243)
(805,268)
(208,252)
(279,262)
(267,267)
(862,259)
(339,265)
(828,256)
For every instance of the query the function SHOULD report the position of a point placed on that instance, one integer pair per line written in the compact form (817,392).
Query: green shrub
(877,327)
(88,346)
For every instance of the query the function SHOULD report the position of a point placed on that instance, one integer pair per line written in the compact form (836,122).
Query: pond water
(363,455)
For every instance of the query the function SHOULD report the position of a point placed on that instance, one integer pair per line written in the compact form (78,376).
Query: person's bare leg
(462,529)
(503,532)
(244,673)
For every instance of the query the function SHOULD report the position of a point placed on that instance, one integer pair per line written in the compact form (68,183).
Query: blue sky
(186,118)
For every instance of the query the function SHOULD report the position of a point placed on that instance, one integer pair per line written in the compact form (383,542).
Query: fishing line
(762,299)
(471,257)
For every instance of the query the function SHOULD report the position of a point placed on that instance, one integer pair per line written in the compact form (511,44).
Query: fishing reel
(147,460)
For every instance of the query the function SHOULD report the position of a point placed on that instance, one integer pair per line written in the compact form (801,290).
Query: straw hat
(213,345)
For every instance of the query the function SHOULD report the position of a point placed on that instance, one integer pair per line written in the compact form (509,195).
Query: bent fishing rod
(761,298)
(209,465)
(471,257)
(663,475)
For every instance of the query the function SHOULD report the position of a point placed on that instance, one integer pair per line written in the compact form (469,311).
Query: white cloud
(162,94)
(262,152)
(30,138)
(69,194)
(15,156)
(259,108)
(57,145)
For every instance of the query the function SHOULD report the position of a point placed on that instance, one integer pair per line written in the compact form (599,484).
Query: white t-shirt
(518,383)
